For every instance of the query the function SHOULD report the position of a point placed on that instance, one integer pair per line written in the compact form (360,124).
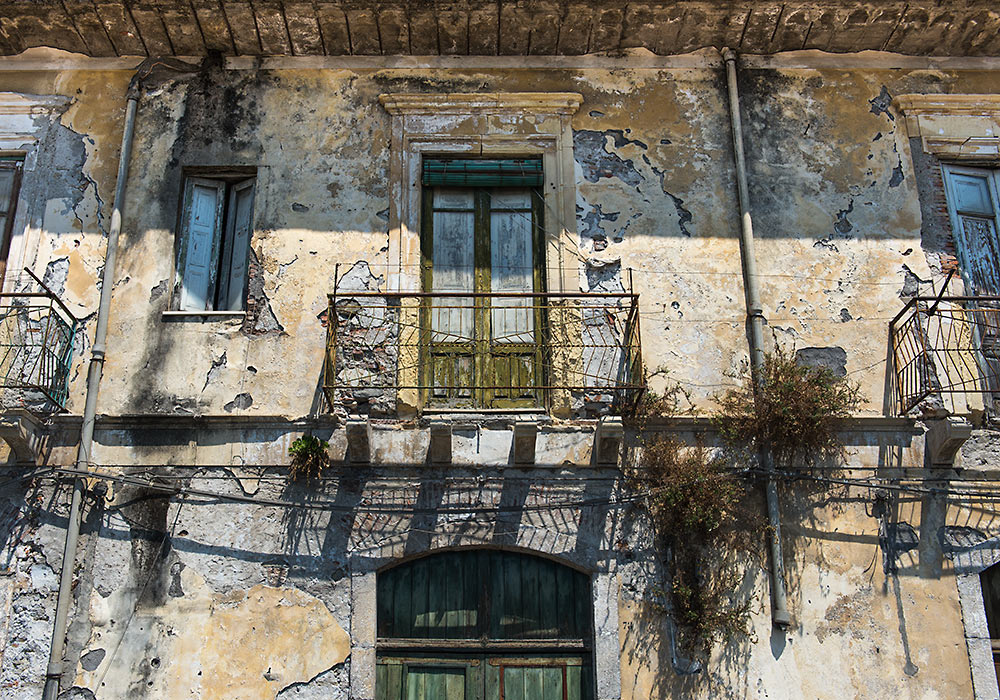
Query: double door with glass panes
(482,677)
(481,326)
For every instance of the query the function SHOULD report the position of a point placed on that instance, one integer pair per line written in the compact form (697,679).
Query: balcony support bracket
(24,434)
(439,450)
(608,441)
(525,434)
(944,438)
(359,434)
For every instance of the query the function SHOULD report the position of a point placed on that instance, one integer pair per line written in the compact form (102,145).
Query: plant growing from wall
(695,502)
(309,458)
(794,413)
(697,499)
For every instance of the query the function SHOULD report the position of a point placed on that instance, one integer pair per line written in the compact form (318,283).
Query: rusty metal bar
(950,351)
(52,295)
(499,295)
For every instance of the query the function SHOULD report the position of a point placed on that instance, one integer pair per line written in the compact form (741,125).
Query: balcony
(37,332)
(396,354)
(946,354)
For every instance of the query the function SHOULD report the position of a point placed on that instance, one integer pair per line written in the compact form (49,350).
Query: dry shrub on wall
(696,504)
(794,414)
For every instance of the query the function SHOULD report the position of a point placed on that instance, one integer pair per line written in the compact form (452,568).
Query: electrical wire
(634,496)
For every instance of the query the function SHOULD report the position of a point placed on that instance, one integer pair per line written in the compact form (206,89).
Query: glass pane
(6,189)
(452,318)
(972,193)
(512,265)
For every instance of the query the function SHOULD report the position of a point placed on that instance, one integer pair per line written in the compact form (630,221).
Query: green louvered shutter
(468,172)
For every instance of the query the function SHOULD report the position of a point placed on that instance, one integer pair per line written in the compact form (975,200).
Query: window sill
(203,314)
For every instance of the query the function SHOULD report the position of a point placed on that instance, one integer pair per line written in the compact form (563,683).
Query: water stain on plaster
(590,149)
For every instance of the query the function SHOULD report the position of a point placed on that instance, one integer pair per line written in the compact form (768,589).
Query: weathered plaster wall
(833,189)
(259,598)
(165,586)
(71,159)
(859,631)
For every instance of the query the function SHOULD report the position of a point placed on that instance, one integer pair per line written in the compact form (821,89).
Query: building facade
(457,242)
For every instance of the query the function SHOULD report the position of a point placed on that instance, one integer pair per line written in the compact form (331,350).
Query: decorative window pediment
(955,127)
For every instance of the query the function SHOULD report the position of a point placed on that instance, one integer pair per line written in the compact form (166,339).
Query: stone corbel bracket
(24,434)
(608,440)
(359,441)
(944,438)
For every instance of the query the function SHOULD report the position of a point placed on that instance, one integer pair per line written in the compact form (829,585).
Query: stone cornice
(482,102)
(954,127)
(16,103)
(919,105)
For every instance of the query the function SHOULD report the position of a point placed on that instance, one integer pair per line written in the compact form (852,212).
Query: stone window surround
(490,124)
(21,131)
(482,124)
(954,127)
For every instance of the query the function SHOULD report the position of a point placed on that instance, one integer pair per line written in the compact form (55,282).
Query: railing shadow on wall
(570,354)
(946,352)
(37,334)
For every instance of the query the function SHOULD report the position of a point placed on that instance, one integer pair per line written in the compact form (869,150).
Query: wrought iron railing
(37,333)
(575,354)
(944,346)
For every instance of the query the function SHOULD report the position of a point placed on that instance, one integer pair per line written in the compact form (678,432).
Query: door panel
(425,677)
(480,677)
(452,341)
(434,683)
(536,678)
(202,219)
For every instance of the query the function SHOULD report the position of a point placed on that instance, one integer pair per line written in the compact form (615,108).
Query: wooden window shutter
(467,172)
(199,253)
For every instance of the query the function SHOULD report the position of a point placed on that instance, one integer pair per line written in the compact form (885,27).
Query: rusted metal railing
(944,346)
(37,333)
(576,354)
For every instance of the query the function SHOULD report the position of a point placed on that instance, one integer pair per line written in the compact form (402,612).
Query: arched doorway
(483,624)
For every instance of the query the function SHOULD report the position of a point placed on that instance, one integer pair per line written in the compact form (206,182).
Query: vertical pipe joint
(755,335)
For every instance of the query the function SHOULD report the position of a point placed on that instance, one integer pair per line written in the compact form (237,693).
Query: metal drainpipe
(755,319)
(54,670)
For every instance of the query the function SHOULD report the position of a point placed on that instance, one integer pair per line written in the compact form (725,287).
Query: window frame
(228,184)
(989,172)
(485,386)
(10,214)
(486,125)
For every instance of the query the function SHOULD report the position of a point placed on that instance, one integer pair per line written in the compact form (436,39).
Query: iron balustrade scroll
(37,334)
(573,354)
(946,345)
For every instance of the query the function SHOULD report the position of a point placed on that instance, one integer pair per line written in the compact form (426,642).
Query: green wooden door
(480,350)
(428,678)
(483,624)
(480,677)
